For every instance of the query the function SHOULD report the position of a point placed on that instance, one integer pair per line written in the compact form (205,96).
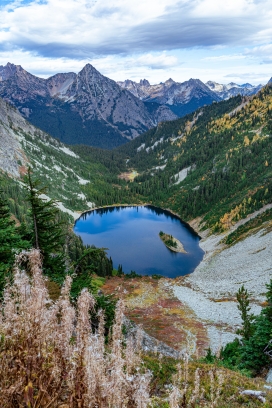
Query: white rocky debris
(82,196)
(154,145)
(82,181)
(246,263)
(59,169)
(68,151)
(60,205)
(260,395)
(181,175)
(174,139)
(141,147)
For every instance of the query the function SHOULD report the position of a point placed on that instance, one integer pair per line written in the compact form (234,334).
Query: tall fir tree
(46,229)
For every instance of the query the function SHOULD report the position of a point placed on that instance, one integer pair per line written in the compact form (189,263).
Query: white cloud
(155,61)
(260,51)
(220,8)
(224,57)
(125,39)
(83,28)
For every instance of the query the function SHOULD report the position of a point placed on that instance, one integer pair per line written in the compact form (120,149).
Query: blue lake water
(131,235)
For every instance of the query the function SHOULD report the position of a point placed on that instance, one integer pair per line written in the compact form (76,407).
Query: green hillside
(225,151)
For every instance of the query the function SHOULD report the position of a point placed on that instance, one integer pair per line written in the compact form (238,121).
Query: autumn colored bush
(49,356)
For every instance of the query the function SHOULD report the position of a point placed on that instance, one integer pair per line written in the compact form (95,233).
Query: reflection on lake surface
(131,235)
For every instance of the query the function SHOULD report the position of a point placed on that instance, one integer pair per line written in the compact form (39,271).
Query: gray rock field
(210,290)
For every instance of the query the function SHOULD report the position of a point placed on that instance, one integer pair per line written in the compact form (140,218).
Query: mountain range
(89,108)
(84,108)
(181,98)
(187,96)
(232,89)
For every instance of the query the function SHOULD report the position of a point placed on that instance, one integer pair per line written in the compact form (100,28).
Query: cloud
(225,57)
(256,77)
(155,61)
(86,28)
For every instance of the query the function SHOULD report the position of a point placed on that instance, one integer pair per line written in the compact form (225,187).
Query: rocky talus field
(200,310)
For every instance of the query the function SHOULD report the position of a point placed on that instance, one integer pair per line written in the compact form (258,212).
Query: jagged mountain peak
(246,85)
(9,70)
(86,108)
(170,81)
(90,68)
(270,81)
(144,82)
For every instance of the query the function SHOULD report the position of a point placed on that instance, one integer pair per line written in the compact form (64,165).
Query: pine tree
(10,242)
(247,317)
(46,230)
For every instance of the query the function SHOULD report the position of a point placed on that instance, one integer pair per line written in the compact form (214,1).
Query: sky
(220,40)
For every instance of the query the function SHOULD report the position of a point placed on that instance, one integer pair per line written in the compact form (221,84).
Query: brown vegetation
(51,358)
(49,355)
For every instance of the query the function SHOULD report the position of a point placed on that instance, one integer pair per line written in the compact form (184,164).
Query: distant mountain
(270,81)
(181,98)
(232,89)
(185,97)
(87,108)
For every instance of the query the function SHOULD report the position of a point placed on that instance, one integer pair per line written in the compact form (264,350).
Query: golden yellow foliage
(226,220)
(246,141)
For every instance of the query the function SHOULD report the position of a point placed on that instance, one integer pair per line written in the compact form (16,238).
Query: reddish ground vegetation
(150,303)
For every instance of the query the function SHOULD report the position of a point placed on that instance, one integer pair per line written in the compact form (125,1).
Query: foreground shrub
(49,355)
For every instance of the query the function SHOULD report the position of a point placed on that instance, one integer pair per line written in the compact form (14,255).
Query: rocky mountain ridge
(187,96)
(226,91)
(182,98)
(86,108)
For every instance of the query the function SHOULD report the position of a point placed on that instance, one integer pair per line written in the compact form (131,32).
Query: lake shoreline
(142,205)
(147,220)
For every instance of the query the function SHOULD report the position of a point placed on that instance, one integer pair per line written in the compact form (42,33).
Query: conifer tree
(47,233)
(10,242)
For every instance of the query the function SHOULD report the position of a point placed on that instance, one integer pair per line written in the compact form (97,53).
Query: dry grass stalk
(189,391)
(49,356)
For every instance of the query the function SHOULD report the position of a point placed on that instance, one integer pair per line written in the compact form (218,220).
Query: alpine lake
(131,236)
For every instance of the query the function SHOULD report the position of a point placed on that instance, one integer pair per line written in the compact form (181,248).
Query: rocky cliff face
(181,98)
(13,159)
(87,108)
(98,97)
